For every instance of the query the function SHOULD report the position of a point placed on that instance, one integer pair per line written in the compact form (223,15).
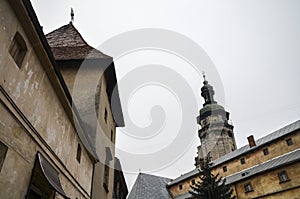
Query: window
(105,115)
(224,168)
(106,177)
(106,168)
(17,49)
(78,155)
(283,177)
(243,161)
(266,151)
(180,186)
(193,181)
(111,136)
(248,187)
(3,151)
(289,141)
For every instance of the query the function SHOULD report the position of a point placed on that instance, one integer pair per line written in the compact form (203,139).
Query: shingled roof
(149,186)
(67,44)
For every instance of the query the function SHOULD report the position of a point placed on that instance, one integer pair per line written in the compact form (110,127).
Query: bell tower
(216,134)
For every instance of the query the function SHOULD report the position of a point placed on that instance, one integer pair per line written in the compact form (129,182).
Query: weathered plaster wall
(267,184)
(32,92)
(91,105)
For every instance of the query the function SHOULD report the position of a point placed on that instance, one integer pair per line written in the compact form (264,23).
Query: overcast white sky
(254,44)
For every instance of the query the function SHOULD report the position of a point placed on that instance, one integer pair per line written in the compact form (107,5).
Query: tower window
(225,169)
(3,151)
(105,115)
(17,49)
(248,187)
(180,186)
(243,161)
(78,155)
(289,141)
(283,177)
(266,151)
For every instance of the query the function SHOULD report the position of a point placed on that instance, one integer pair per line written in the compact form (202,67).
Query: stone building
(54,142)
(90,77)
(264,168)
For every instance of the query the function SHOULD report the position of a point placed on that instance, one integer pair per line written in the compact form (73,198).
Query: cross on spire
(203,74)
(72,15)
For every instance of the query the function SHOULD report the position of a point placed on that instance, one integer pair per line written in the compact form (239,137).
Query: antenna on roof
(72,15)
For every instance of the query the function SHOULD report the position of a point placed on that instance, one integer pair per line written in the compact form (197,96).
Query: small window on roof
(289,141)
(266,151)
(18,49)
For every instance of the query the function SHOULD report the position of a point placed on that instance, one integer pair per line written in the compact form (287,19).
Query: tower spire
(72,15)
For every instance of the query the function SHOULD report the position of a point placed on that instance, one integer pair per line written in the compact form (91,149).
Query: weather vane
(72,15)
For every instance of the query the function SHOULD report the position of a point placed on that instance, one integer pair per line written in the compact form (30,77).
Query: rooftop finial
(203,74)
(72,15)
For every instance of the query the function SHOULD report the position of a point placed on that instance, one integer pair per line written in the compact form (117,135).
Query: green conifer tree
(211,186)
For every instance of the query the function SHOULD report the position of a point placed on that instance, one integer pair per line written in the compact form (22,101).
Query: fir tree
(211,186)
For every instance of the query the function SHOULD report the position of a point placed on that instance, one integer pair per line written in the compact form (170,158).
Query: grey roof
(260,142)
(274,163)
(149,186)
(67,43)
(184,176)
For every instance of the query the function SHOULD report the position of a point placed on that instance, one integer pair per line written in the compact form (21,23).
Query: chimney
(251,141)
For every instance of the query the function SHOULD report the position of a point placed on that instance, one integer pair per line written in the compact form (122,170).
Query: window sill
(249,191)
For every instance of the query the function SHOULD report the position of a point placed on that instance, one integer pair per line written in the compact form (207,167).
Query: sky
(252,51)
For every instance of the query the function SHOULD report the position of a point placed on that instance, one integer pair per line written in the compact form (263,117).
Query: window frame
(248,187)
(289,141)
(283,177)
(243,160)
(266,151)
(225,169)
(18,49)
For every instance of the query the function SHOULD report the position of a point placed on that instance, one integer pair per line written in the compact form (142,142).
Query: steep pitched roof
(67,44)
(149,186)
